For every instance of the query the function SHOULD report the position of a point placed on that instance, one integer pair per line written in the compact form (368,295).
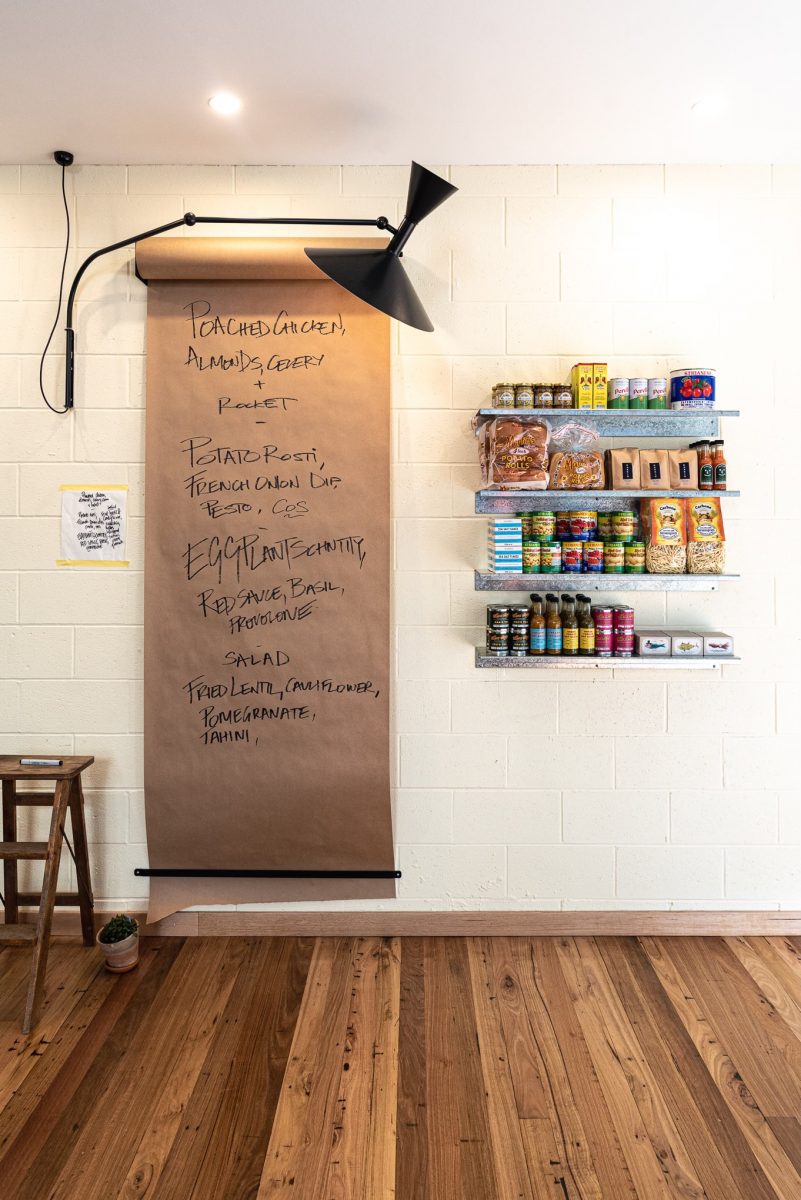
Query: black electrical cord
(60,411)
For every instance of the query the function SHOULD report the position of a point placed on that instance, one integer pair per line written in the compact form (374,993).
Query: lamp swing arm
(190,219)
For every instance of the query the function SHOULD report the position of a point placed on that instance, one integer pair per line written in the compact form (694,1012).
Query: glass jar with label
(543,395)
(503,395)
(524,395)
(562,395)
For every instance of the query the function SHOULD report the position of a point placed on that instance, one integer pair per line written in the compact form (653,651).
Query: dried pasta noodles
(706,558)
(664,535)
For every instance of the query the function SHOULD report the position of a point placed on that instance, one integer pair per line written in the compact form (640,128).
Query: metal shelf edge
(486,662)
(493,581)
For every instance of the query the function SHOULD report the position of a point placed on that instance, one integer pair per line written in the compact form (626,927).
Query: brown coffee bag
(623,469)
(683,468)
(655,470)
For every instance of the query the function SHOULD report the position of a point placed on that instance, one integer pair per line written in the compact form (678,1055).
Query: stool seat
(67,797)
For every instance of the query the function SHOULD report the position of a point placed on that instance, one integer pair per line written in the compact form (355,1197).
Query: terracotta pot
(120,956)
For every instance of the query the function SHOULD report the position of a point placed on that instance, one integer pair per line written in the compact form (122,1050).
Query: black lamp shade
(426,192)
(378,278)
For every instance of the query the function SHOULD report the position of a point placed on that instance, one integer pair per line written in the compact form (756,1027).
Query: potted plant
(119,941)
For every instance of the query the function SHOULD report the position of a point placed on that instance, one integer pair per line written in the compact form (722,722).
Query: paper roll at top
(236,257)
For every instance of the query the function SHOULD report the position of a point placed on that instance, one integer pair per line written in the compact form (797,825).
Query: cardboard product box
(651,643)
(599,396)
(686,645)
(582,380)
(718,645)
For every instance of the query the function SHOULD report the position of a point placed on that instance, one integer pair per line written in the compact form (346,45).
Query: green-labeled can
(551,558)
(634,558)
(543,526)
(613,558)
(604,527)
(531,558)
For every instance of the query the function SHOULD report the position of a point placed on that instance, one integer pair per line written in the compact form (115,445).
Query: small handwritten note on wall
(93,520)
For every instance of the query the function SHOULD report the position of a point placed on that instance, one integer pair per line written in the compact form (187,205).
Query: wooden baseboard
(687,923)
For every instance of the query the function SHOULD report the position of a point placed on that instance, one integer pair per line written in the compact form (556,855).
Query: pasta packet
(577,464)
(706,540)
(664,534)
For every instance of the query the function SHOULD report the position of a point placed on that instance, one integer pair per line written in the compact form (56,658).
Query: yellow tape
(91,562)
(94,487)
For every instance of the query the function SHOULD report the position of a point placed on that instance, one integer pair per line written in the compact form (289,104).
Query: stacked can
(604,636)
(499,630)
(518,636)
(594,556)
(623,630)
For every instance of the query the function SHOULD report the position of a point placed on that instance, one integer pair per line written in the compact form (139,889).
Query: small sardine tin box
(687,644)
(718,645)
(651,643)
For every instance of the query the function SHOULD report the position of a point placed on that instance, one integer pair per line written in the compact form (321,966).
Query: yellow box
(599,371)
(582,380)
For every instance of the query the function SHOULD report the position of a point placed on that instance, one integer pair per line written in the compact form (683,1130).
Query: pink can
(602,616)
(623,617)
(624,643)
(603,642)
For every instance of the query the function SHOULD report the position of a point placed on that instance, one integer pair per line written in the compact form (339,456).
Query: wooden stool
(67,795)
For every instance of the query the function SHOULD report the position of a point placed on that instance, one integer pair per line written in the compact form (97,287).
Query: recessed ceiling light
(225,104)
(708,106)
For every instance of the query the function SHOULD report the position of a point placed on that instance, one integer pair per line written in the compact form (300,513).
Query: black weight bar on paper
(236,873)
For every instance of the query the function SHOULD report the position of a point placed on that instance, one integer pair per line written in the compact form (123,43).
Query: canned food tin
(527,526)
(531,558)
(622,617)
(605,526)
(634,558)
(497,642)
(562,395)
(593,556)
(613,558)
(519,641)
(498,616)
(623,526)
(572,557)
(617,392)
(519,614)
(543,526)
(603,642)
(583,526)
(638,393)
(524,395)
(503,395)
(602,616)
(657,393)
(543,395)
(563,526)
(551,558)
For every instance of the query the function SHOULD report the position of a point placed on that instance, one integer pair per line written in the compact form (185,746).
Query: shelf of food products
(571,630)
(668,536)
(592,388)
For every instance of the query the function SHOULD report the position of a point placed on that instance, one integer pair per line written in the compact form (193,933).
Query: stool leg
(10,878)
(80,846)
(41,940)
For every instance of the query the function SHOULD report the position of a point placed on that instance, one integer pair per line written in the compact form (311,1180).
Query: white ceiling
(366,81)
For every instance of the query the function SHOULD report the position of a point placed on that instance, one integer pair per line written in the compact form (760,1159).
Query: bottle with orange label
(706,472)
(718,467)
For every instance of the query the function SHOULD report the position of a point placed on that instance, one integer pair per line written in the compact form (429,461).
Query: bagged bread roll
(513,453)
(577,463)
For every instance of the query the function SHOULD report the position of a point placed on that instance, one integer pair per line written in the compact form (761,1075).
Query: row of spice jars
(576,627)
(532,395)
(574,557)
(580,526)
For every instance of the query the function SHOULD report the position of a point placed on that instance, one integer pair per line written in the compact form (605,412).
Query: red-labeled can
(623,643)
(572,558)
(604,642)
(593,556)
(562,533)
(623,617)
(602,615)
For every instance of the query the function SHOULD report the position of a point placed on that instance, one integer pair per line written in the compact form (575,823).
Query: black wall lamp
(376,276)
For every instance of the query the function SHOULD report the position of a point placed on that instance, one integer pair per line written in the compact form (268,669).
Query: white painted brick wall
(661,792)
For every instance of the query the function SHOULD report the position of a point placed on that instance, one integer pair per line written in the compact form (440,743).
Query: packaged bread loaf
(706,540)
(663,531)
(513,453)
(576,462)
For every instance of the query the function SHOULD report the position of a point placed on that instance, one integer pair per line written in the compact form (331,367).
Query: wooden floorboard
(413,1068)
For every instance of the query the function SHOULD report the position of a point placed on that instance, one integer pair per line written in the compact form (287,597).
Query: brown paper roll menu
(266,574)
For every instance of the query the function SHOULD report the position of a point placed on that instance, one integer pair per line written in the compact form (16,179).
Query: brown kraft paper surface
(266,588)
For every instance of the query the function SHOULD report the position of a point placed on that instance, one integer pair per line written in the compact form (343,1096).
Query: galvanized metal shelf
(601,664)
(627,422)
(491,500)
(589,581)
